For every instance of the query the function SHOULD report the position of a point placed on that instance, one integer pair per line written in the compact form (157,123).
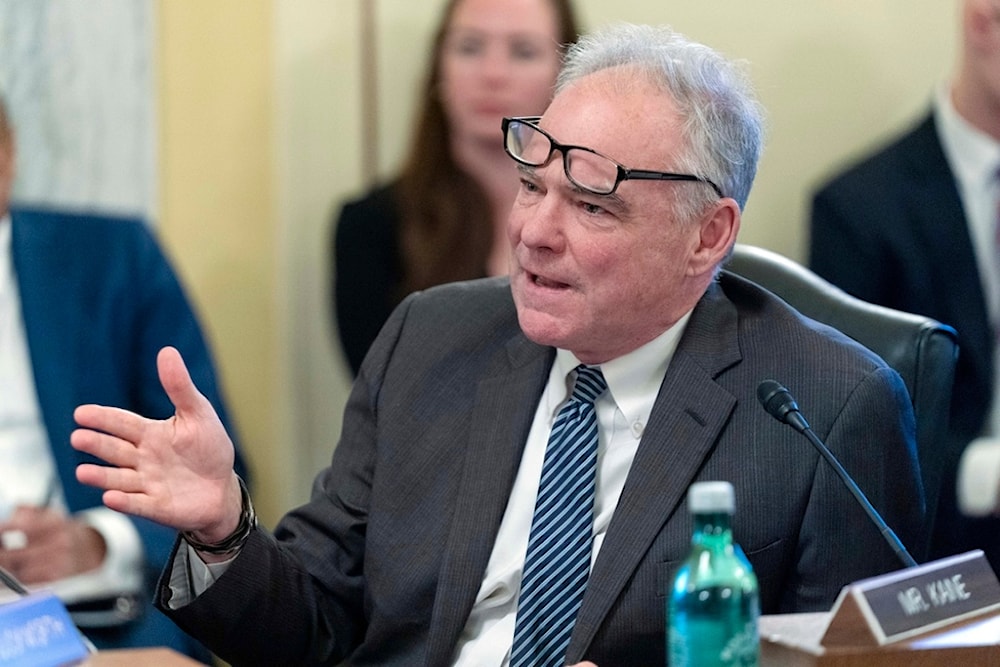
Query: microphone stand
(780,404)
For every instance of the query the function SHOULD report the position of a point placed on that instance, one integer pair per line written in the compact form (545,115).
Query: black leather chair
(922,350)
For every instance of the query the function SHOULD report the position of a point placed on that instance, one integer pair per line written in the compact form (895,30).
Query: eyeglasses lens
(528,144)
(591,171)
(587,170)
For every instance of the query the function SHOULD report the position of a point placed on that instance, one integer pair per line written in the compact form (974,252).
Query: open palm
(177,471)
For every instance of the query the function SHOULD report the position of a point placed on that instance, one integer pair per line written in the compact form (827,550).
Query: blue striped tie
(557,563)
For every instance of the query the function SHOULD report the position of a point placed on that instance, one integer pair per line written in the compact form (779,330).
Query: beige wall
(834,75)
(261,121)
(217,185)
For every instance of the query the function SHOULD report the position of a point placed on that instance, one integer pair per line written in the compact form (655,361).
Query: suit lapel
(49,332)
(687,418)
(505,406)
(689,414)
(937,209)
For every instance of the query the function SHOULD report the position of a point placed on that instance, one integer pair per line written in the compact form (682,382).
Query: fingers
(122,483)
(159,469)
(118,451)
(177,382)
(136,504)
(14,561)
(122,489)
(26,539)
(109,478)
(121,423)
(53,546)
(129,426)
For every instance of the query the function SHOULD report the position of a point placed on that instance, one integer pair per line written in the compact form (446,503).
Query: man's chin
(543,328)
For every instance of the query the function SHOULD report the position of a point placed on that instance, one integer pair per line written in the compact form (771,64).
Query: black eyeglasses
(585,168)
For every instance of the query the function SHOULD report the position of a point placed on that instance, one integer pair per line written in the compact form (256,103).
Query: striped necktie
(557,563)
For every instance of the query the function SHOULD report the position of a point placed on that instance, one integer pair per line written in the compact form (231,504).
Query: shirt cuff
(122,569)
(979,478)
(190,576)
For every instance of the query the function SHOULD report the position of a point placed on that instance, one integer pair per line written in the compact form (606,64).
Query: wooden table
(146,657)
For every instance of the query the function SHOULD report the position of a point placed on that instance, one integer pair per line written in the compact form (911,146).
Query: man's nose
(543,225)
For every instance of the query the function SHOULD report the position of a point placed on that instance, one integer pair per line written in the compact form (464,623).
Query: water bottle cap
(712,497)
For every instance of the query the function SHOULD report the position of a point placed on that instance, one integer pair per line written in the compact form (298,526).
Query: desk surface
(793,640)
(147,657)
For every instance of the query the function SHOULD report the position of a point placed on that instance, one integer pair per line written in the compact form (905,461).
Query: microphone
(780,404)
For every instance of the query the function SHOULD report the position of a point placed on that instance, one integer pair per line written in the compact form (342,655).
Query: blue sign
(37,631)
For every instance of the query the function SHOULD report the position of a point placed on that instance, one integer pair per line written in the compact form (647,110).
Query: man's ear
(717,234)
(978,24)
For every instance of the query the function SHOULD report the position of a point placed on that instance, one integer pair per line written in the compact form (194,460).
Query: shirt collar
(972,154)
(634,379)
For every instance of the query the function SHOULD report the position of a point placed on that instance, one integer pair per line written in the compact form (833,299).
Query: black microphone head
(776,400)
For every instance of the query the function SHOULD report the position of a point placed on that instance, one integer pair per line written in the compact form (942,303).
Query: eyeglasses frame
(623,174)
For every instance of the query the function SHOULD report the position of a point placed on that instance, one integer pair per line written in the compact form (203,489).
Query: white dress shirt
(28,473)
(622,413)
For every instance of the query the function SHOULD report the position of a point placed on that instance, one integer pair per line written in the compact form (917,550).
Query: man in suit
(412,548)
(914,227)
(85,303)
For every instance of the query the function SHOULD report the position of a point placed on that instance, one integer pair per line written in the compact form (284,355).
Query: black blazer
(382,566)
(891,230)
(367,271)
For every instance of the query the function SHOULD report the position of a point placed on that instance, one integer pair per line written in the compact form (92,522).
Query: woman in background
(444,217)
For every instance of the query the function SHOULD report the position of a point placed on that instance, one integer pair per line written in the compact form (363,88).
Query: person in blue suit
(86,301)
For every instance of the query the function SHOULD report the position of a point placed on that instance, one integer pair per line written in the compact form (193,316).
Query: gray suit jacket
(382,566)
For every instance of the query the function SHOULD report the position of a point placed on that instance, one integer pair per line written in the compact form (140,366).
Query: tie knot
(589,383)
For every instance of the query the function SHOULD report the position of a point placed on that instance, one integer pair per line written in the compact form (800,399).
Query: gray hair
(722,121)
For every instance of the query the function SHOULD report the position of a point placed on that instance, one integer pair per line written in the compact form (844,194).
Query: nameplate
(911,602)
(36,631)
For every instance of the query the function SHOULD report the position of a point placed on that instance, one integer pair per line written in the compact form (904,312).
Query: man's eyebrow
(613,200)
(527,171)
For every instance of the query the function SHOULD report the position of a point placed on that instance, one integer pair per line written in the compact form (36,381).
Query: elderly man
(613,368)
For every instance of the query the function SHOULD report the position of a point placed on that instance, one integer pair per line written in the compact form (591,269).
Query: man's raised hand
(177,471)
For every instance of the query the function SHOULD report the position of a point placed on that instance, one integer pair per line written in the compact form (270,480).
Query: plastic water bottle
(713,605)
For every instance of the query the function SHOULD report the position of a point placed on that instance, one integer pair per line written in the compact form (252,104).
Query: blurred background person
(85,303)
(442,218)
(914,226)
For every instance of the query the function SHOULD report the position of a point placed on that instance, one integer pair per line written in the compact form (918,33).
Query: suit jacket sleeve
(872,435)
(358,570)
(305,596)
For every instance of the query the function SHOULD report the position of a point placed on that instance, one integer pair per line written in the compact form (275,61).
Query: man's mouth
(542,281)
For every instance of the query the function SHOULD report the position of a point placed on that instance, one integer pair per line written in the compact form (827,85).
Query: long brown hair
(446,222)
